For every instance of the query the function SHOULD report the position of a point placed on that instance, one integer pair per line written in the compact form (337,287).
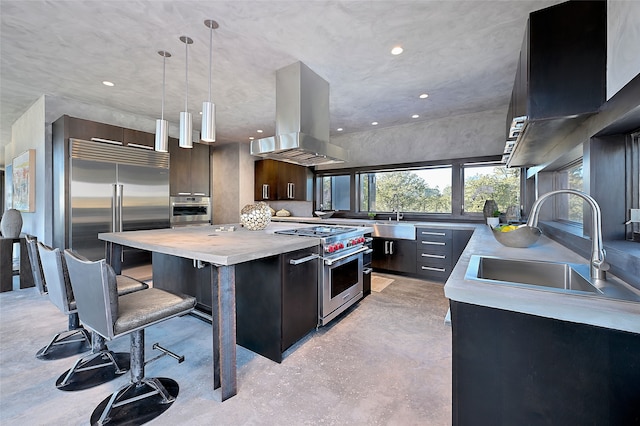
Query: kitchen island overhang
(220,251)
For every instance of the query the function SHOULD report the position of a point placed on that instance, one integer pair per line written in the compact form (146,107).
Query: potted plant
(494,219)
(371,215)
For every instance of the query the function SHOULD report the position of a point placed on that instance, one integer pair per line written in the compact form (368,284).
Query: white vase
(11,223)
(493,221)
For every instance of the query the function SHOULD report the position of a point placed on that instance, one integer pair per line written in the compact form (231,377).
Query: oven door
(187,211)
(341,284)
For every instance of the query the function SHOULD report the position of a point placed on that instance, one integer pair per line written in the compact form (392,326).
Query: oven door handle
(330,262)
(303,259)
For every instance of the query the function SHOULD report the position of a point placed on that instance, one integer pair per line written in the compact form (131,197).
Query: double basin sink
(549,276)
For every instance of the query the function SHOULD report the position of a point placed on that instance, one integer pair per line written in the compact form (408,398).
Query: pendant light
(162,126)
(185,116)
(208,133)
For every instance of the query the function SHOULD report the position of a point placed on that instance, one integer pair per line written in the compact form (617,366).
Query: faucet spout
(598,265)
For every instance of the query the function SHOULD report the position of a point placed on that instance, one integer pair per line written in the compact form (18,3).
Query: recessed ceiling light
(424,96)
(339,129)
(251,138)
(108,83)
(415,116)
(374,123)
(397,50)
(259,131)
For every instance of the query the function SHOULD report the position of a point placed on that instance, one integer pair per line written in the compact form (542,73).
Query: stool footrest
(165,351)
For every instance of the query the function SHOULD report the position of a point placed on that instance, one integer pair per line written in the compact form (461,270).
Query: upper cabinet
(189,169)
(560,80)
(137,138)
(277,180)
(78,128)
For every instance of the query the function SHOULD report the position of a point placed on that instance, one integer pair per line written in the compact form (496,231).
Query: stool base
(97,370)
(140,403)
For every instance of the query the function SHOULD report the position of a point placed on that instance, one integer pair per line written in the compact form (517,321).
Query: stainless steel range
(340,278)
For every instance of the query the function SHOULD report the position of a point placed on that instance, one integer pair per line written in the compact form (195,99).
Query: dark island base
(516,369)
(276,302)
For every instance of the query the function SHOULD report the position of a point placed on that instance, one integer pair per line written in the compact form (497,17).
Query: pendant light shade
(208,132)
(162,126)
(186,128)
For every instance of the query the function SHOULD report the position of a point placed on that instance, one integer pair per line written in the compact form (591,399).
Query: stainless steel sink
(551,276)
(396,230)
(531,273)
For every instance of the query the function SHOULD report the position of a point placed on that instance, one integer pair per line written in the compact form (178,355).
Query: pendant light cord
(210,57)
(164,75)
(186,76)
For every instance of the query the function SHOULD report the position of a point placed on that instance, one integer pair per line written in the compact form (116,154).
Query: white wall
(623,44)
(29,133)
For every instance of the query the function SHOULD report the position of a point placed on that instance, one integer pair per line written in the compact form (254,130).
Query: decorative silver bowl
(255,217)
(522,237)
(324,215)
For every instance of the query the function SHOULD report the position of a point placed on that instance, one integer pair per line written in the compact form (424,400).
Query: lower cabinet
(276,301)
(394,255)
(438,251)
(516,369)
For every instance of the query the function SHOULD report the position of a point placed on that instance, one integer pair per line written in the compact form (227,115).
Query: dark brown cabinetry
(515,369)
(561,76)
(138,138)
(78,128)
(189,172)
(438,251)
(394,255)
(277,180)
(276,301)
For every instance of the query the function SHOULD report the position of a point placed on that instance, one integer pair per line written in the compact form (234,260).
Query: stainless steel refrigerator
(113,188)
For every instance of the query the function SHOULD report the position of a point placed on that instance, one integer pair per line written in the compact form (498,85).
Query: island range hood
(302,121)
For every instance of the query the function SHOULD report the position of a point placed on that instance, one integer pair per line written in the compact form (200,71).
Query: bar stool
(100,365)
(73,341)
(104,312)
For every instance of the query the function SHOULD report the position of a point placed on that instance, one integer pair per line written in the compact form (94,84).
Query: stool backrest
(36,266)
(95,288)
(57,278)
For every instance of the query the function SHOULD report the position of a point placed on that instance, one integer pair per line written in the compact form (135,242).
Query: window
(569,207)
(496,182)
(424,190)
(335,192)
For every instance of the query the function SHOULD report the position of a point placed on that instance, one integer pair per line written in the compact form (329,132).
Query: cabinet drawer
(434,234)
(434,272)
(434,247)
(433,258)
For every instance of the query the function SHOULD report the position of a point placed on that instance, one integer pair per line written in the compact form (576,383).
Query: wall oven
(190,211)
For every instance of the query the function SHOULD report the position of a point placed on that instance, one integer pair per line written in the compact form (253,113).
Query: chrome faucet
(598,265)
(398,215)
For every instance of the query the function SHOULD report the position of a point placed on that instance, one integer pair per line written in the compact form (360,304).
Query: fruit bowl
(324,214)
(516,236)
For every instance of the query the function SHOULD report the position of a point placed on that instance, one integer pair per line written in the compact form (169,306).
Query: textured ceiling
(462,53)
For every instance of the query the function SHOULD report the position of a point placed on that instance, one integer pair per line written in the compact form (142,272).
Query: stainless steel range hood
(302,120)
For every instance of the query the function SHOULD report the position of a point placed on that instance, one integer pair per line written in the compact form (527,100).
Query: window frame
(457,189)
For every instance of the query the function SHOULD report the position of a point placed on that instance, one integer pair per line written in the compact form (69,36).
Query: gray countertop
(586,309)
(207,244)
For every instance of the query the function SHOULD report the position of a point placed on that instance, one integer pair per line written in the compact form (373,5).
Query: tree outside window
(490,182)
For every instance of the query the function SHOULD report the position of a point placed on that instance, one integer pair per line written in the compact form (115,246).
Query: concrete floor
(386,362)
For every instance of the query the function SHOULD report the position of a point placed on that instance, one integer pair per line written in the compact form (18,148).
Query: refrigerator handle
(114,208)
(120,198)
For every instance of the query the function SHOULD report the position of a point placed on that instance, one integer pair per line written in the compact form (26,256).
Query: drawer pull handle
(430,268)
(437,256)
(439,234)
(434,243)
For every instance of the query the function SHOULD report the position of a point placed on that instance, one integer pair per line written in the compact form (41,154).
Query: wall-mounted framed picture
(24,181)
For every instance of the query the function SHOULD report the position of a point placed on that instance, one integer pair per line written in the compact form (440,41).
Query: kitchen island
(217,251)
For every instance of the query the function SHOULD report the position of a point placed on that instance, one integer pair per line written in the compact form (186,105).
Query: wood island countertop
(208,244)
